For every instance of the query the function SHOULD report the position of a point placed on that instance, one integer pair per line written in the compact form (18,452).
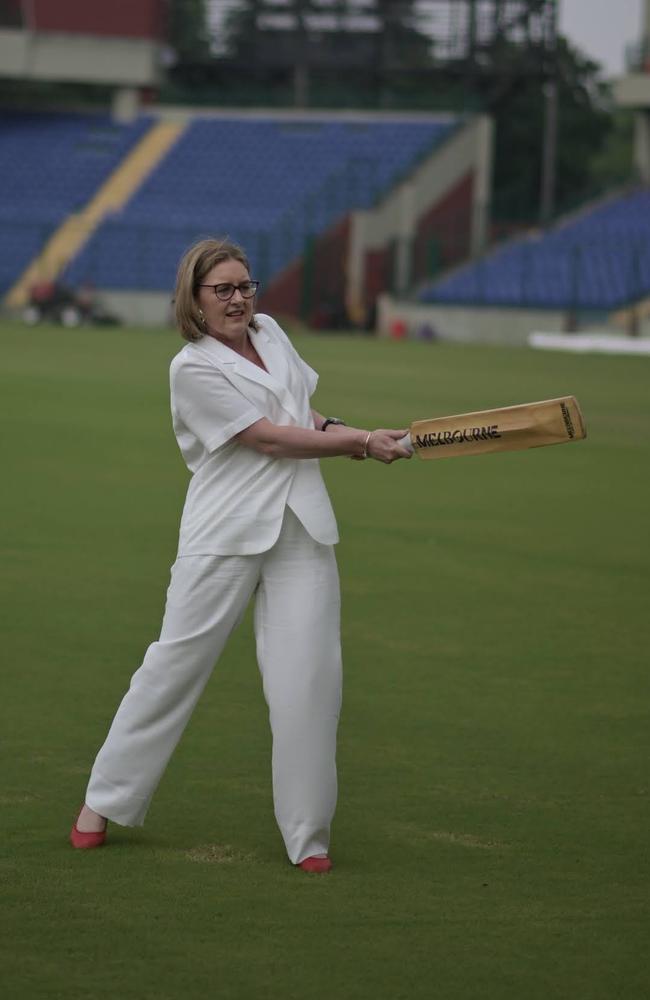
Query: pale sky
(602,29)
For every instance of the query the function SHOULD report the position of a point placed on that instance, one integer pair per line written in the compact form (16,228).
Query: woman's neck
(243,346)
(237,344)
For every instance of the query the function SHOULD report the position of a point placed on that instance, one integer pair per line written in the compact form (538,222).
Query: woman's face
(228,319)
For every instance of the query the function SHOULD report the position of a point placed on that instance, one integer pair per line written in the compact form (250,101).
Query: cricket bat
(510,428)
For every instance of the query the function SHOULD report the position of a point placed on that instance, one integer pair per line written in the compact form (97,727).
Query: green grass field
(491,839)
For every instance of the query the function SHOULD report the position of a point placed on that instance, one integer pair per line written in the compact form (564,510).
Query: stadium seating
(267,182)
(50,165)
(272,183)
(599,259)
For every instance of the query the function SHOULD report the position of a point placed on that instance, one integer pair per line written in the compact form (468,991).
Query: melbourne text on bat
(461,435)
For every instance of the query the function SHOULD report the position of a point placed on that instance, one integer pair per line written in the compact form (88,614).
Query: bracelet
(332,420)
(365,445)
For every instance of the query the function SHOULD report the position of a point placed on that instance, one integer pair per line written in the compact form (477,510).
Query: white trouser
(297,614)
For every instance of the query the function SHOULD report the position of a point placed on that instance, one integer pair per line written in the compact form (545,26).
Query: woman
(257,521)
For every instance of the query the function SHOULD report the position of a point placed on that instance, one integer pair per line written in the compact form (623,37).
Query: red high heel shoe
(319,865)
(85,841)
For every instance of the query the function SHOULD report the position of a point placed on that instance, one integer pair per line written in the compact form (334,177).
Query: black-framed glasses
(225,290)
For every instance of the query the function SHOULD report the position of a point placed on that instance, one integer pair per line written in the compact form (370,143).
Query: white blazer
(236,497)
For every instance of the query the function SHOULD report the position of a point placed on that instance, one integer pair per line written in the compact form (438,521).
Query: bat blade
(510,428)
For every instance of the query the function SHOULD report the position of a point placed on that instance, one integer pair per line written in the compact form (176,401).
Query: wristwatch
(331,420)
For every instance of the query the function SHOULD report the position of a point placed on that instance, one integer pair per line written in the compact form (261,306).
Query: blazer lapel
(239,370)
(275,359)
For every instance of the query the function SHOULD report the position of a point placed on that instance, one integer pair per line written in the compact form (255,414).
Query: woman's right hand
(384,446)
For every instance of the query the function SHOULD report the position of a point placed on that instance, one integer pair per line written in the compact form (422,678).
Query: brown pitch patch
(419,834)
(466,840)
(217,854)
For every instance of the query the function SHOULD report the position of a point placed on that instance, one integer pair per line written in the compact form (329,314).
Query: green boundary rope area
(491,837)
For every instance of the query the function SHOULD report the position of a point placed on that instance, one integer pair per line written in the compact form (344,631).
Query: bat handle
(406,443)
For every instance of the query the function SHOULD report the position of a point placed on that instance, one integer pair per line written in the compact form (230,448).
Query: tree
(584,124)
(613,164)
(188,31)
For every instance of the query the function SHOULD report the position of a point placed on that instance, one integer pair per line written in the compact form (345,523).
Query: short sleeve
(309,376)
(209,405)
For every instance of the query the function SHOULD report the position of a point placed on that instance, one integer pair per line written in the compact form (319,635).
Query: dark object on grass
(54,303)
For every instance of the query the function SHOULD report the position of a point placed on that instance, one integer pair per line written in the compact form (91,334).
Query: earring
(202,316)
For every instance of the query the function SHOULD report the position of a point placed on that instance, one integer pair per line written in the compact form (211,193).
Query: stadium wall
(446,200)
(76,41)
(451,215)
(76,58)
(402,319)
(138,308)
(314,286)
(144,19)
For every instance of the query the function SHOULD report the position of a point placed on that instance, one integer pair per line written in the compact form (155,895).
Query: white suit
(251,524)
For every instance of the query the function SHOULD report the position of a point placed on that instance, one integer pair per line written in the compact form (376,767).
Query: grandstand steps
(112,196)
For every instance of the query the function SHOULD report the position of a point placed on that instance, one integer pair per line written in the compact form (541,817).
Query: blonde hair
(195,263)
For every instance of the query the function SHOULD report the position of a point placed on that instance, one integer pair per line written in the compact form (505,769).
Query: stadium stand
(50,165)
(268,182)
(598,259)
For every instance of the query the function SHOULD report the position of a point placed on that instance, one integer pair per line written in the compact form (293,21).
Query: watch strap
(331,420)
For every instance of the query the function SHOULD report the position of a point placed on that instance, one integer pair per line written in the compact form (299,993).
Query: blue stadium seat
(268,183)
(50,166)
(597,260)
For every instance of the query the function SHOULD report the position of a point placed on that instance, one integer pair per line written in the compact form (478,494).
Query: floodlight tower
(549,146)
